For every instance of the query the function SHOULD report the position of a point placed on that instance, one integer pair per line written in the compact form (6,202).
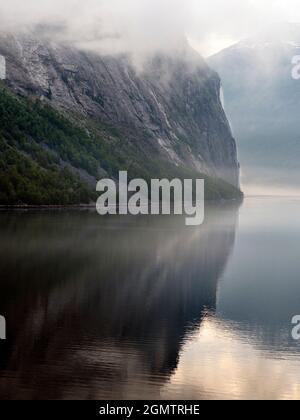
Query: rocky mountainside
(262,101)
(162,119)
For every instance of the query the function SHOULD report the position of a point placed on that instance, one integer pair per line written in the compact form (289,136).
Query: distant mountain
(262,101)
(63,109)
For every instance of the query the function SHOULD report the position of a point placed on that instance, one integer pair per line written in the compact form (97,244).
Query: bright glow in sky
(212,44)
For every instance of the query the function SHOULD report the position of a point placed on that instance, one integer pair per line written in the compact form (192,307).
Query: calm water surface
(129,308)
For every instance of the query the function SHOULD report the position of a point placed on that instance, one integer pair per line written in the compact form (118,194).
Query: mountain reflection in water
(101,308)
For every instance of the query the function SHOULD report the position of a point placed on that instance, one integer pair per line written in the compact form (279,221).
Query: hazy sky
(135,25)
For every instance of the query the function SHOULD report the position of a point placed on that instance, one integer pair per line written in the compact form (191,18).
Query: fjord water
(145,307)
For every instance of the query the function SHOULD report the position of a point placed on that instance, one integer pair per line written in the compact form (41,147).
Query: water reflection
(102,308)
(244,349)
(223,361)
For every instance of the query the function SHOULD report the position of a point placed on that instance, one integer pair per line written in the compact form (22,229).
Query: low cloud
(142,25)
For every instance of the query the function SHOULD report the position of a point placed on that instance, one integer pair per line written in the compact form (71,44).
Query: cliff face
(170,109)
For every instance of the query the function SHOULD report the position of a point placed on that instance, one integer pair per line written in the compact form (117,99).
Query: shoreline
(93,205)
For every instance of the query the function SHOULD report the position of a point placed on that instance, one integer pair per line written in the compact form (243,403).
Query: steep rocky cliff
(165,117)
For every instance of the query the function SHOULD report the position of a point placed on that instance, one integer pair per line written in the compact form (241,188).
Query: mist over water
(102,308)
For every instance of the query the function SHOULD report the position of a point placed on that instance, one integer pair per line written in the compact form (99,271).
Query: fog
(139,26)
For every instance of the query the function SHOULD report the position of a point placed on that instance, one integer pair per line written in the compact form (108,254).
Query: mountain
(262,101)
(69,117)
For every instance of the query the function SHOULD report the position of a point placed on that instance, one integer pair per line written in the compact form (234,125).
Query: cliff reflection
(100,308)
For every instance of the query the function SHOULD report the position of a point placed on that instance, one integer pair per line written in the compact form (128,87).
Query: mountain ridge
(169,116)
(262,101)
